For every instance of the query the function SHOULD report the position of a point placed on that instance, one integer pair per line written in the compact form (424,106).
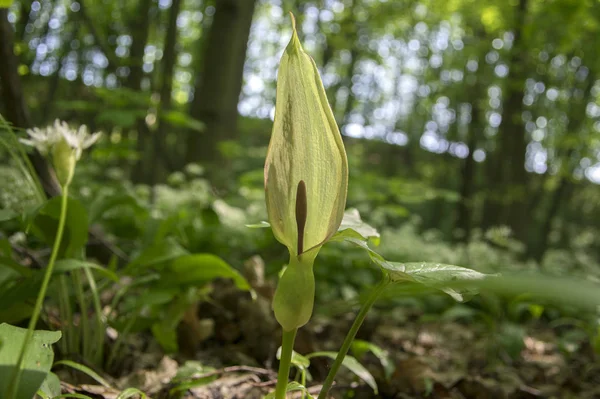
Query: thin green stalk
(360,318)
(118,342)
(287,347)
(83,310)
(16,376)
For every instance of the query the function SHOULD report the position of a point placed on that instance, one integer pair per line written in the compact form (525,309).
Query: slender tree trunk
(140,30)
(506,171)
(159,162)
(536,249)
(14,102)
(217,92)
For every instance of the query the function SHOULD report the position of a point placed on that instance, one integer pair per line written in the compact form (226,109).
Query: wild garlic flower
(44,139)
(64,144)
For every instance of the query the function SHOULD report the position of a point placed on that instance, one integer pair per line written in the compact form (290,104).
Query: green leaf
(105,202)
(160,252)
(84,369)
(360,347)
(293,386)
(302,362)
(353,227)
(130,393)
(5,3)
(182,119)
(45,224)
(9,263)
(67,265)
(197,269)
(51,385)
(353,365)
(434,275)
(259,225)
(7,214)
(38,358)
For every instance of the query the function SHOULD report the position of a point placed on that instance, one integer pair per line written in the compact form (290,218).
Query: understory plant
(306,182)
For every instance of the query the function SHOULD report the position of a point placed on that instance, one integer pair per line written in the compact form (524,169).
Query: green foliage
(45,222)
(38,359)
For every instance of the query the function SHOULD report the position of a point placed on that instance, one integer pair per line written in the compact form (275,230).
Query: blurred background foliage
(472,127)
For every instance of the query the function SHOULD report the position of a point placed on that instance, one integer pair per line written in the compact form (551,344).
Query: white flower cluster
(45,139)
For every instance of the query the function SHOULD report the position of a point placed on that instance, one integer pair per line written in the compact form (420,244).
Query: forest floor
(429,359)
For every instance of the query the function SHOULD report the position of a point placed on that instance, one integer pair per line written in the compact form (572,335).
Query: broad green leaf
(9,263)
(7,214)
(38,358)
(105,202)
(51,385)
(298,360)
(5,3)
(67,265)
(434,275)
(182,119)
(353,227)
(306,155)
(197,269)
(293,386)
(45,224)
(351,364)
(360,347)
(160,252)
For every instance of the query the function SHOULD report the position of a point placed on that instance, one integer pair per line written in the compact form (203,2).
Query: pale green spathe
(305,145)
(306,159)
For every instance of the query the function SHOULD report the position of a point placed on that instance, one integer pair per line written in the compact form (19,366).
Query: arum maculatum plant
(306,182)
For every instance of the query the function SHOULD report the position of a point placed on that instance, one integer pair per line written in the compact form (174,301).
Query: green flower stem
(360,318)
(16,377)
(287,347)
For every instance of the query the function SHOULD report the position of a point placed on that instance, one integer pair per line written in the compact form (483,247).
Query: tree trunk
(506,170)
(217,93)
(14,102)
(158,163)
(569,162)
(140,30)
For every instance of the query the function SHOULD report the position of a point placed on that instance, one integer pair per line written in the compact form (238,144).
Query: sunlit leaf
(67,265)
(259,225)
(85,370)
(75,236)
(351,364)
(360,347)
(353,227)
(38,359)
(434,275)
(302,362)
